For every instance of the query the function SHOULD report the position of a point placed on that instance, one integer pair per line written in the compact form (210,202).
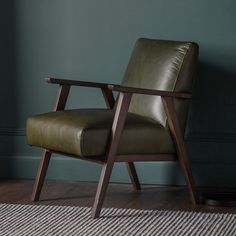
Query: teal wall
(92,40)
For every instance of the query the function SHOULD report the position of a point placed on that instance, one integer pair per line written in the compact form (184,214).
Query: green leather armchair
(145,123)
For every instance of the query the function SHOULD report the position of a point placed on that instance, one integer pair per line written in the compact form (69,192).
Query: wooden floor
(119,195)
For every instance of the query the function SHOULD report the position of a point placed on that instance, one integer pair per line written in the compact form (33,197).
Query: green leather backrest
(162,65)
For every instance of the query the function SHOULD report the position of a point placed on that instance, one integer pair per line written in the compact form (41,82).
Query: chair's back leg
(180,147)
(184,163)
(133,175)
(46,155)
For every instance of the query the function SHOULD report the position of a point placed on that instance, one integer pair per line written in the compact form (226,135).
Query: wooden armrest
(161,93)
(65,86)
(76,83)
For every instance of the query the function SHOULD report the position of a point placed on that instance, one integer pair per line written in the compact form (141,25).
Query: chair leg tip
(95,215)
(138,188)
(196,201)
(35,199)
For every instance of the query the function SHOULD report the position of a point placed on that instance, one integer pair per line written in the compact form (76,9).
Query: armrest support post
(108,97)
(65,87)
(116,132)
(62,95)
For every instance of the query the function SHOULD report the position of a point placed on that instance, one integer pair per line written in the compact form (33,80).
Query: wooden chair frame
(121,108)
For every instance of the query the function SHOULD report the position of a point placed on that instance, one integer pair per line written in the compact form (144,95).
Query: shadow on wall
(211,130)
(8,93)
(213,112)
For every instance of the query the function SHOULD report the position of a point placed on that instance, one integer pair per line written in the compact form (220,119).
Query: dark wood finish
(76,83)
(60,103)
(110,102)
(42,170)
(133,175)
(116,131)
(126,158)
(180,146)
(61,98)
(108,97)
(146,157)
(119,88)
(143,91)
(121,108)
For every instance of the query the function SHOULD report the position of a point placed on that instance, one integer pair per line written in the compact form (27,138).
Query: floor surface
(118,195)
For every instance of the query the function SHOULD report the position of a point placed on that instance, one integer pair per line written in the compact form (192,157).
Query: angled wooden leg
(180,146)
(46,155)
(102,188)
(133,175)
(116,131)
(62,95)
(184,163)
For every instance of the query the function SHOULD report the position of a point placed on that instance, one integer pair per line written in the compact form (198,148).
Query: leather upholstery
(85,132)
(162,65)
(154,64)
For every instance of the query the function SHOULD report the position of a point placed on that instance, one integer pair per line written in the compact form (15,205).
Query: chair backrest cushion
(161,65)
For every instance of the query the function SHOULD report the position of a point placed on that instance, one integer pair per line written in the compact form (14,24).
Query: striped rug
(27,220)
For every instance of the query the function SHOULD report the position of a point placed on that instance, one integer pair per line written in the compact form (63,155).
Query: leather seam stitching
(82,142)
(184,58)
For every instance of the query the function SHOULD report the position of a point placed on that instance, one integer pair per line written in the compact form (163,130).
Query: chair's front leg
(117,128)
(60,103)
(110,102)
(42,170)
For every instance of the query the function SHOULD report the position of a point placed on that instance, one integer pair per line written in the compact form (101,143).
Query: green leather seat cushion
(85,133)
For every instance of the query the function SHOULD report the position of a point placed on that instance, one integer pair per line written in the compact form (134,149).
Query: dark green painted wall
(92,40)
